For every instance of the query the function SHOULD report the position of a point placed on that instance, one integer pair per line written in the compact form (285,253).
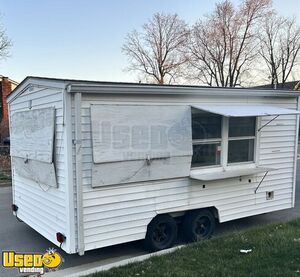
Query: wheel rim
(161,234)
(202,227)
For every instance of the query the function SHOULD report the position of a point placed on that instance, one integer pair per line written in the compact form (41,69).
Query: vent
(269,195)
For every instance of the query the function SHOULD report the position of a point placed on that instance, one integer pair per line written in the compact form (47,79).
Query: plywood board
(137,132)
(39,172)
(139,171)
(32,134)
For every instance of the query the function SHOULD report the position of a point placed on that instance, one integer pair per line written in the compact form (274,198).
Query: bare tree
(223,46)
(280,47)
(5,44)
(269,45)
(155,52)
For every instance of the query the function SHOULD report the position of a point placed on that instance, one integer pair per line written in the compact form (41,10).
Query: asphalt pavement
(19,237)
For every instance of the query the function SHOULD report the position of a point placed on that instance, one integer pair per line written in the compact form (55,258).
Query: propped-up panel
(39,172)
(137,132)
(133,143)
(245,111)
(32,134)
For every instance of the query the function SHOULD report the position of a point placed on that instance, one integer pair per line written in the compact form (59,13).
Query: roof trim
(35,81)
(84,86)
(173,90)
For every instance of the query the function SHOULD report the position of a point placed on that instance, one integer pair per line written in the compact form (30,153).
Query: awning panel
(245,111)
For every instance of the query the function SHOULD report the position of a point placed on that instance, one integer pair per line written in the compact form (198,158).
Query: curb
(5,184)
(80,271)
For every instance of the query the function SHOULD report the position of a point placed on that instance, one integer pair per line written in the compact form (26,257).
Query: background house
(292,85)
(6,87)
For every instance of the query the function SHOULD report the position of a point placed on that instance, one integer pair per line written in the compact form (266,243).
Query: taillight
(60,237)
(14,207)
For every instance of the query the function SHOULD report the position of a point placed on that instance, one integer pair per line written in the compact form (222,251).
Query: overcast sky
(82,39)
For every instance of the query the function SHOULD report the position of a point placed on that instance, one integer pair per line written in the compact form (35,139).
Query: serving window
(224,139)
(137,143)
(213,134)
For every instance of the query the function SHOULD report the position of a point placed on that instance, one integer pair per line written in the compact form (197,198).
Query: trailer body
(97,161)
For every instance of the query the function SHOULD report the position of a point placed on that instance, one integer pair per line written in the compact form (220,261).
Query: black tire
(198,225)
(161,233)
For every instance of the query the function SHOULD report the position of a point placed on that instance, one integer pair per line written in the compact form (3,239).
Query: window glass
(206,154)
(240,150)
(241,126)
(206,125)
(207,132)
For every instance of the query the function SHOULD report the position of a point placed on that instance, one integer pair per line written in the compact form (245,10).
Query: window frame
(213,165)
(210,141)
(224,147)
(254,137)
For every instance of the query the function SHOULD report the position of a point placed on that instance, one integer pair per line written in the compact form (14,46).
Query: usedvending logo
(32,262)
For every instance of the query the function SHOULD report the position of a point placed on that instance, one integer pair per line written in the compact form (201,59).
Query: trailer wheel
(161,233)
(198,225)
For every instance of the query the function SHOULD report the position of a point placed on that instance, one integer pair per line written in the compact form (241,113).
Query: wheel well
(180,214)
(215,212)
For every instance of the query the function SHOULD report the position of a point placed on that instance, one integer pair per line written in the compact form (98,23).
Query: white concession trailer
(96,164)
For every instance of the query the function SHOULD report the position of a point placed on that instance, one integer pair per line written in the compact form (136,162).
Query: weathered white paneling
(39,172)
(119,213)
(36,97)
(278,134)
(277,154)
(32,134)
(55,201)
(118,216)
(40,104)
(257,210)
(98,243)
(41,205)
(286,200)
(119,219)
(133,223)
(115,234)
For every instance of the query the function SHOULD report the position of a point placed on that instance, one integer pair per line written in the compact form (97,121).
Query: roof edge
(85,86)
(172,90)
(28,81)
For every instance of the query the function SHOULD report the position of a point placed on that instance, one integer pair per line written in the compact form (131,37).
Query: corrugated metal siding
(43,208)
(120,213)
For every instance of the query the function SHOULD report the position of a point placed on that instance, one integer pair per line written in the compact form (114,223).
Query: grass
(4,162)
(5,173)
(275,252)
(4,177)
